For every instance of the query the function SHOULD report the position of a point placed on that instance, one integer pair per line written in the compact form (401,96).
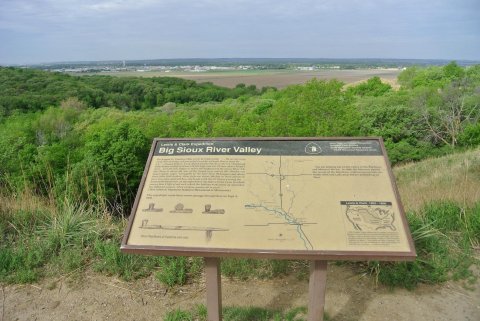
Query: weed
(178,315)
(242,314)
(20,264)
(111,261)
(69,259)
(173,270)
(240,268)
(248,313)
(71,225)
(246,268)
(443,242)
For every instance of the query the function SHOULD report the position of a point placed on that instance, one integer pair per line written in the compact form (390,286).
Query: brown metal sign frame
(314,255)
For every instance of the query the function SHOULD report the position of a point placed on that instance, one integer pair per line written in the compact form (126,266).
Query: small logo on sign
(313,148)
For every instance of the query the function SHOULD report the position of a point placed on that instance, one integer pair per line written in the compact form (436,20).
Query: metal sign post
(214,288)
(316,290)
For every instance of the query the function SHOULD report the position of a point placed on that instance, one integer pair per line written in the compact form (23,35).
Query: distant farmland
(273,78)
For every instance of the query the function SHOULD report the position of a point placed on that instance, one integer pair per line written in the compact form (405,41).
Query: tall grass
(445,236)
(58,234)
(454,177)
(41,238)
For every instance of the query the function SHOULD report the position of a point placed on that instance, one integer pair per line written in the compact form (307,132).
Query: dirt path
(349,297)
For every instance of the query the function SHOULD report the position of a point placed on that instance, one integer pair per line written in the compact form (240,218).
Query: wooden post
(214,289)
(316,290)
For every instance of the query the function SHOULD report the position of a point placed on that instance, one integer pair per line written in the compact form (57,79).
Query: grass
(445,250)
(454,177)
(48,237)
(241,314)
(44,239)
(244,269)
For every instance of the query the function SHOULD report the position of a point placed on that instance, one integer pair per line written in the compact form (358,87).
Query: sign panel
(311,198)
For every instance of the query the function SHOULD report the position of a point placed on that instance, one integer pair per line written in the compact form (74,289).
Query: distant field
(273,78)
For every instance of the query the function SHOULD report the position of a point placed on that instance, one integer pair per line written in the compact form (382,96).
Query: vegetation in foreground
(70,171)
(241,314)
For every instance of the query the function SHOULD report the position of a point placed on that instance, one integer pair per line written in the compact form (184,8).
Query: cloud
(95,29)
(117,5)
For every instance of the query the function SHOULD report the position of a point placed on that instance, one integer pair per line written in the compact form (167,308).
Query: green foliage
(470,136)
(453,71)
(98,155)
(179,315)
(248,313)
(17,143)
(30,90)
(247,268)
(318,108)
(372,87)
(449,217)
(173,270)
(111,261)
(22,263)
(428,117)
(436,77)
(55,146)
(241,314)
(443,234)
(35,239)
(263,107)
(443,114)
(115,154)
(239,268)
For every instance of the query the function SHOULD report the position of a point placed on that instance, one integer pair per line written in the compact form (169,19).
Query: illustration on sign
(370,216)
(208,230)
(179,208)
(151,208)
(208,210)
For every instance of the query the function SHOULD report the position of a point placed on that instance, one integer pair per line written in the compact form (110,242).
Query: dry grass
(454,177)
(25,201)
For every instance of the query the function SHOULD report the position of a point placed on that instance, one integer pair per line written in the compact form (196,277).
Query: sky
(36,31)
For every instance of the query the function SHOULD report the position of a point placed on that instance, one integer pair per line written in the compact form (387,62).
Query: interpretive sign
(310,198)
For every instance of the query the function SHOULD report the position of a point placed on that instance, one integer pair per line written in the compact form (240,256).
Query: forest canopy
(30,90)
(92,134)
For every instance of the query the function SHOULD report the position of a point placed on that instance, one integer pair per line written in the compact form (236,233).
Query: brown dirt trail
(349,297)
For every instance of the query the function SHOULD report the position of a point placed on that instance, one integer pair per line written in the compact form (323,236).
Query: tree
(372,87)
(452,70)
(444,121)
(318,108)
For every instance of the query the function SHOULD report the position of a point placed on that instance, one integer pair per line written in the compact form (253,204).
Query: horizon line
(237,58)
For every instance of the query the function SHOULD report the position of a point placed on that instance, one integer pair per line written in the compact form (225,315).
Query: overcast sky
(33,31)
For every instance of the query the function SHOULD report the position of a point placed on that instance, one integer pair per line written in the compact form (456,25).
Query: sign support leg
(214,289)
(316,290)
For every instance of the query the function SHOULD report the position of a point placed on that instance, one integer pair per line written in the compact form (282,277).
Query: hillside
(254,288)
(70,169)
(453,178)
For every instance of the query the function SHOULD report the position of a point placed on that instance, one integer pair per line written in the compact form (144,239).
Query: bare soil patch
(350,296)
(274,78)
(283,79)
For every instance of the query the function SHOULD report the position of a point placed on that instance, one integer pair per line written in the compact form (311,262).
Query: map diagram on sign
(370,216)
(278,202)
